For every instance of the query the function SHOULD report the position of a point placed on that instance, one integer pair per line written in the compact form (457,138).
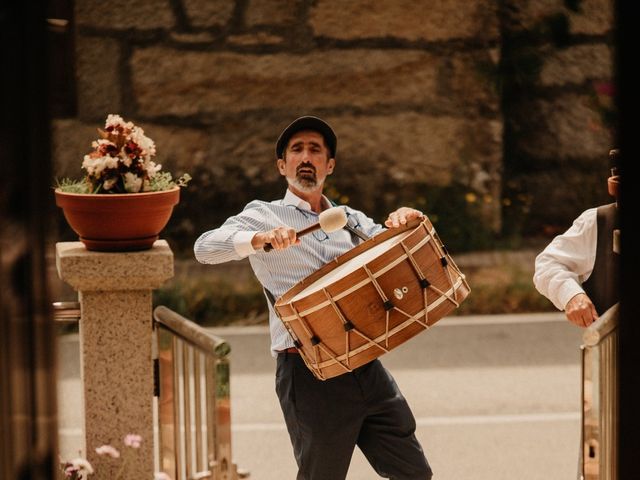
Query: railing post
(600,398)
(116,340)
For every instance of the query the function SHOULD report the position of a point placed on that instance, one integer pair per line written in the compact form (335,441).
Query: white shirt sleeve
(567,262)
(232,240)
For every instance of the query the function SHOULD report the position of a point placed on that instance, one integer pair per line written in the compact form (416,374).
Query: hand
(401,216)
(279,238)
(580,310)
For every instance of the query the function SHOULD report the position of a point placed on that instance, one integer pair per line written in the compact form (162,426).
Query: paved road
(495,398)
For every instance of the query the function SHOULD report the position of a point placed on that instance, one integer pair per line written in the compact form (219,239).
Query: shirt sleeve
(567,262)
(232,240)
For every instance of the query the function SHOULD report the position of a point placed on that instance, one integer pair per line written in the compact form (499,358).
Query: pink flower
(78,465)
(133,440)
(108,450)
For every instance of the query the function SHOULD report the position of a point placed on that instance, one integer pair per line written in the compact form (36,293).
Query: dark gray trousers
(327,419)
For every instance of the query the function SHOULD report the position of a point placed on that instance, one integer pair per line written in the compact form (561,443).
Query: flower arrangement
(122,162)
(80,468)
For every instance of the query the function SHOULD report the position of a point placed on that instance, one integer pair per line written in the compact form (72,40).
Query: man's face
(306,161)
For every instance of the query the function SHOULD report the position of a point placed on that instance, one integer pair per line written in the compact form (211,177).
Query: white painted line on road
(499,419)
(466,320)
(472,320)
(421,421)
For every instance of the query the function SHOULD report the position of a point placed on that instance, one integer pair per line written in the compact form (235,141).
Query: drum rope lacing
(357,286)
(317,345)
(317,363)
(350,327)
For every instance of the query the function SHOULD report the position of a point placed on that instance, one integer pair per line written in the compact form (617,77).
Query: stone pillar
(114,289)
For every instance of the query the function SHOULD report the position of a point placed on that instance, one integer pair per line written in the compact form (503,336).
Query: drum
(372,298)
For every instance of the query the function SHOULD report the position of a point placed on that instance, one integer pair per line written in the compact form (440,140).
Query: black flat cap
(307,123)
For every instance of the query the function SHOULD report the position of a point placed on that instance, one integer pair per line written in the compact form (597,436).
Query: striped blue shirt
(280,270)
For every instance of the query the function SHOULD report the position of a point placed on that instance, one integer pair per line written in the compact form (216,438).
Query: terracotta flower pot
(118,222)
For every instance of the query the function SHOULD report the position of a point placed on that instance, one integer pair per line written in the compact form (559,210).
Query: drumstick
(329,221)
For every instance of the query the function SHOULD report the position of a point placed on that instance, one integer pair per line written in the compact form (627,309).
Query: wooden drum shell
(381,304)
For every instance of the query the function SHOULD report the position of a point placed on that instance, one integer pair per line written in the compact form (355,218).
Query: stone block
(179,149)
(385,159)
(254,39)
(405,147)
(232,82)
(88,271)
(270,12)
(565,127)
(405,19)
(97,71)
(123,14)
(558,196)
(70,142)
(595,17)
(381,160)
(578,64)
(208,13)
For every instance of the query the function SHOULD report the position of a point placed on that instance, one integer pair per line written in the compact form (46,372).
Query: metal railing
(192,386)
(194,415)
(600,398)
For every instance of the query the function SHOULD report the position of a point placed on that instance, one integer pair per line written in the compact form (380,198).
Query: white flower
(100,142)
(152,168)
(132,183)
(108,450)
(113,120)
(161,476)
(93,166)
(111,162)
(144,142)
(116,121)
(123,152)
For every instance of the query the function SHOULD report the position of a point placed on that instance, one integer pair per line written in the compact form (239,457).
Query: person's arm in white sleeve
(232,240)
(567,262)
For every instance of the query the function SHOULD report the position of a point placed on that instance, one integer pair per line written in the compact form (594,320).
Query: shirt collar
(291,198)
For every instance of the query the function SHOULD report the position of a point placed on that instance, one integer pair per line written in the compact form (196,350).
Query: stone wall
(557,106)
(415,94)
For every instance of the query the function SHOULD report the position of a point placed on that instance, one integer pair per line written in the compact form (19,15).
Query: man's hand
(279,238)
(580,310)
(401,216)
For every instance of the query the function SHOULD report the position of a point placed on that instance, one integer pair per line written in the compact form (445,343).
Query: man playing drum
(325,419)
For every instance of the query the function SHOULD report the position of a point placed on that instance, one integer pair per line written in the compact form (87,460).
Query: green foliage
(455,213)
(162,181)
(502,289)
(68,185)
(214,301)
